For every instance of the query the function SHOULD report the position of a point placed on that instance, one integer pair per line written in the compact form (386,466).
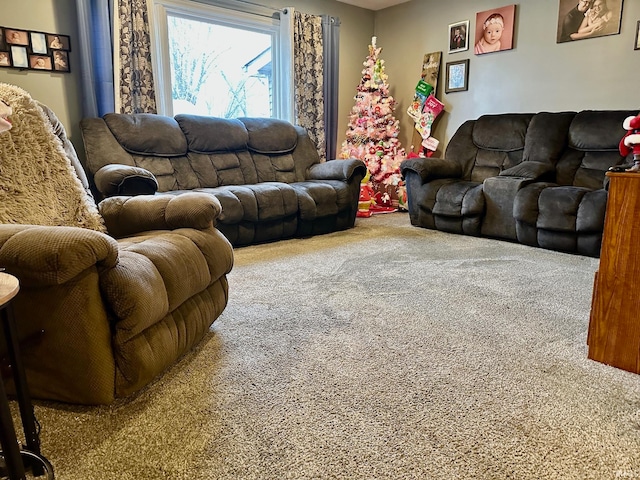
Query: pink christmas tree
(372,135)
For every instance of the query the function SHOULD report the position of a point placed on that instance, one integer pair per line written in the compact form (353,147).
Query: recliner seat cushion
(459,199)
(260,202)
(571,209)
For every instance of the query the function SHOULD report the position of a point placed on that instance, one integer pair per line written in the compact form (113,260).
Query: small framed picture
(457,76)
(40,62)
(61,61)
(16,37)
(5,59)
(637,44)
(459,36)
(38,43)
(19,56)
(58,42)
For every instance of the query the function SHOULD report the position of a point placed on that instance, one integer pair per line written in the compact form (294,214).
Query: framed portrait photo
(5,59)
(457,76)
(637,44)
(40,62)
(16,37)
(459,36)
(58,42)
(494,30)
(61,61)
(578,20)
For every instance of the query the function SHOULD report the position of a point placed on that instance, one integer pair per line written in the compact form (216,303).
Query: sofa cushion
(504,132)
(546,138)
(459,199)
(321,199)
(270,135)
(211,134)
(255,203)
(147,134)
(593,130)
(558,208)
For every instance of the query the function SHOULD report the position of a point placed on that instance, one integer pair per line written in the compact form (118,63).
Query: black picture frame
(459,36)
(61,61)
(636,46)
(457,76)
(34,50)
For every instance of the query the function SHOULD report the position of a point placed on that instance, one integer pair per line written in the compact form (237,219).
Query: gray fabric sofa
(537,179)
(266,173)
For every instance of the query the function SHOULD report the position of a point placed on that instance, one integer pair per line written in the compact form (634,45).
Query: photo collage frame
(32,50)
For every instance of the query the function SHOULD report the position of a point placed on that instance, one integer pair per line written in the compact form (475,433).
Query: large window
(210,60)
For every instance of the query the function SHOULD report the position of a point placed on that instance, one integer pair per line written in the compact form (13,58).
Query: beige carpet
(383,352)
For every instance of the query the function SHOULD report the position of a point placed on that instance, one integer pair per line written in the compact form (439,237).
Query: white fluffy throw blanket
(38,184)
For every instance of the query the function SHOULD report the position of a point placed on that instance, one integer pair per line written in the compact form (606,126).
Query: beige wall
(60,91)
(537,75)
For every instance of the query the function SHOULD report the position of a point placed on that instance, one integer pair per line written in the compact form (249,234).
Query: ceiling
(373,4)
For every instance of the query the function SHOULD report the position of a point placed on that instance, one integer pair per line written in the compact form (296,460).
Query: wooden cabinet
(614,325)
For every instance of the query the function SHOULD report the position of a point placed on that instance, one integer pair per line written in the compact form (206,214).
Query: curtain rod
(284,10)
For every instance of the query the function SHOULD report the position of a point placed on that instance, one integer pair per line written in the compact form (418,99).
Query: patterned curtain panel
(309,77)
(136,93)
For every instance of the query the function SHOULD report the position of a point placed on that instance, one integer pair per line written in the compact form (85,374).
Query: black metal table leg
(10,448)
(27,415)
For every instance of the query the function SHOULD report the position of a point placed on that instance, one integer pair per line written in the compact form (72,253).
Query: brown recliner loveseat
(109,297)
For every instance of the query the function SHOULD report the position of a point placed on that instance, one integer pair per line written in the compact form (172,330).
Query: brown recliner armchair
(109,297)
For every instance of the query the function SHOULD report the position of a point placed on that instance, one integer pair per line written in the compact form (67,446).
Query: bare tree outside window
(219,70)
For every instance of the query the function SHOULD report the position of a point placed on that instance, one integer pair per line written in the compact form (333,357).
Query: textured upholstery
(101,315)
(533,178)
(266,173)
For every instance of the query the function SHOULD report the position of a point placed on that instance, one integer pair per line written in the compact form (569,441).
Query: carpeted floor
(383,352)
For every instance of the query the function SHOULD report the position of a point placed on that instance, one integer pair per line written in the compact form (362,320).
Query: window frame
(159,10)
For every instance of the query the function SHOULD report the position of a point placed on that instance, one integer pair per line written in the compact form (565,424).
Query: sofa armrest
(126,216)
(431,168)
(337,170)
(116,179)
(529,169)
(44,255)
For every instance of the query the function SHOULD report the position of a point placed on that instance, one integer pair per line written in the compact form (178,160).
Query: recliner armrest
(337,170)
(529,169)
(116,179)
(45,255)
(431,168)
(126,216)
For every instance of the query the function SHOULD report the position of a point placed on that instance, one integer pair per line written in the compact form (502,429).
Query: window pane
(219,70)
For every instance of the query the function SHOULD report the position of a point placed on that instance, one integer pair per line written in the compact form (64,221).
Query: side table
(12,453)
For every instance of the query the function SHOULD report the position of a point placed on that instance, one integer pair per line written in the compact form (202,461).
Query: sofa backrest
(581,145)
(191,151)
(592,147)
(490,144)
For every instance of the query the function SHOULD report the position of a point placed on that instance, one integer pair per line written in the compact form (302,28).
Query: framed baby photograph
(459,36)
(494,30)
(16,37)
(457,76)
(581,19)
(58,42)
(61,61)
